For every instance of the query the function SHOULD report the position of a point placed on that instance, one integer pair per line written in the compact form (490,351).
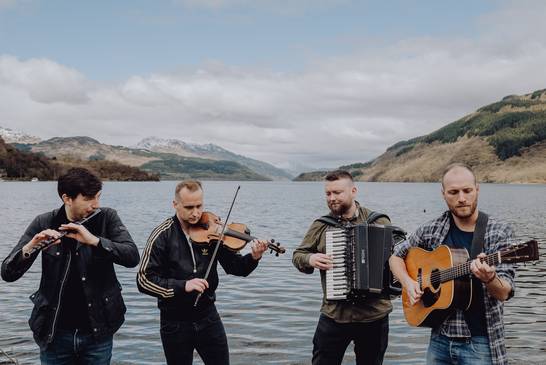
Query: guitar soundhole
(429,296)
(435,279)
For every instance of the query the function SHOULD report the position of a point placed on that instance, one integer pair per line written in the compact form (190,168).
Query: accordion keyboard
(337,283)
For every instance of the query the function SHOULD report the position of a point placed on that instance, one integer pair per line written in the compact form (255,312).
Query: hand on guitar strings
(413,290)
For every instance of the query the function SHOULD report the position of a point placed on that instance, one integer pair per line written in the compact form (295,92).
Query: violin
(236,235)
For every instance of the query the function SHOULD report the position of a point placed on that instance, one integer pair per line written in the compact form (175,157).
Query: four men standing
(79,299)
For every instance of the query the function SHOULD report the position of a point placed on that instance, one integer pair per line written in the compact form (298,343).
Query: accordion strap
(375,216)
(331,221)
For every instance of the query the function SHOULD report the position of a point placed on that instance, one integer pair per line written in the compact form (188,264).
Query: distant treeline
(179,167)
(22,165)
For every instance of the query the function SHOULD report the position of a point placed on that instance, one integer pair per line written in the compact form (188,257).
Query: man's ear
(66,199)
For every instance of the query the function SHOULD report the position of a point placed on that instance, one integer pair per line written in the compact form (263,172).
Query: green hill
(504,142)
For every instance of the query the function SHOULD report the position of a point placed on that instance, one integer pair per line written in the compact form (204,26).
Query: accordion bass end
(360,254)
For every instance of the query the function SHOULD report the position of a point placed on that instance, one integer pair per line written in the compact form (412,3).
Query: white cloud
(338,111)
(44,80)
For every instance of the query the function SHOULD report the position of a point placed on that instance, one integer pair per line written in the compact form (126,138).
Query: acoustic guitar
(445,279)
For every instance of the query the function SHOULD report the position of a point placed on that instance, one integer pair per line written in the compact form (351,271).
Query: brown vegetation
(19,165)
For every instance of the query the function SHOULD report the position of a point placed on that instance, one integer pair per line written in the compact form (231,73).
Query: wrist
(94,241)
(491,280)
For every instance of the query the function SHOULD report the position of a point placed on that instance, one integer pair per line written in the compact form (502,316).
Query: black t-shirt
(73,312)
(475,315)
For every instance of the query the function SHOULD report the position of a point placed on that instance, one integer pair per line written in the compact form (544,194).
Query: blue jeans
(443,350)
(332,338)
(71,347)
(207,336)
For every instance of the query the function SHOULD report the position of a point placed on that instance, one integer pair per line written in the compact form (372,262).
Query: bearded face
(463,210)
(460,193)
(340,195)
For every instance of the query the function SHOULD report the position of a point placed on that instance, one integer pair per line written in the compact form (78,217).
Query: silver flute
(50,241)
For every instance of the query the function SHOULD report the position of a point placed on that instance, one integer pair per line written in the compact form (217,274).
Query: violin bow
(218,244)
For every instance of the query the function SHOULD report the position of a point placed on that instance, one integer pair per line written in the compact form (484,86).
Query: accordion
(360,254)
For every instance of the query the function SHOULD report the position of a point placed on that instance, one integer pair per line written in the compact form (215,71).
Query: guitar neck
(464,269)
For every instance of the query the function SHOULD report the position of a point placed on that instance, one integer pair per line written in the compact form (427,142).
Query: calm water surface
(270,317)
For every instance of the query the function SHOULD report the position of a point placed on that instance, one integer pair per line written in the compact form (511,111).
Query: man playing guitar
(475,335)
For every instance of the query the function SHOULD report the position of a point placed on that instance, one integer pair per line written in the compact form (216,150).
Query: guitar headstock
(521,252)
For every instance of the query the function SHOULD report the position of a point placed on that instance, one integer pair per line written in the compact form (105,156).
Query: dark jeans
(73,347)
(206,335)
(332,338)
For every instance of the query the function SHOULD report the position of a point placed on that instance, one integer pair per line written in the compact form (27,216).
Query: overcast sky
(315,82)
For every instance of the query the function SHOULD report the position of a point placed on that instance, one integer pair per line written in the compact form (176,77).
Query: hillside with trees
(505,142)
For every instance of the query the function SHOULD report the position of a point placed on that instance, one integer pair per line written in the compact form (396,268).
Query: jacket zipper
(59,300)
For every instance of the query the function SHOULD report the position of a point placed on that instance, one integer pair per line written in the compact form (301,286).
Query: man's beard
(473,207)
(341,209)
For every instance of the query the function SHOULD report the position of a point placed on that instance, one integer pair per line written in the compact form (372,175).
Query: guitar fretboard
(463,269)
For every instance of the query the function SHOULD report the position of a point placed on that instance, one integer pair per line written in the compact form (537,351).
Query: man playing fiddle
(172,269)
(79,300)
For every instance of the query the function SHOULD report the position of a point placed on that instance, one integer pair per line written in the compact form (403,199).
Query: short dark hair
(457,165)
(338,174)
(78,180)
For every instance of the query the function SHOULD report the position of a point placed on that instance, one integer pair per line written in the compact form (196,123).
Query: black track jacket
(167,263)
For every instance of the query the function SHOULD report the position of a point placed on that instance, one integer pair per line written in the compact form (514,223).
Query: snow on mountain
(11,136)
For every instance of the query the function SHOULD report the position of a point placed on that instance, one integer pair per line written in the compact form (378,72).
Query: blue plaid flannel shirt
(497,237)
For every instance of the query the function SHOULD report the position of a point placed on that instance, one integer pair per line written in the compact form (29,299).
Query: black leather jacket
(101,288)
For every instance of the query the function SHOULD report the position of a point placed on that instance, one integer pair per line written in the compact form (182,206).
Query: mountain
(212,152)
(505,142)
(169,165)
(86,148)
(11,136)
(25,165)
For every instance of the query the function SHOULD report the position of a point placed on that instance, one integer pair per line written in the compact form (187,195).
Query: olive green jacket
(367,310)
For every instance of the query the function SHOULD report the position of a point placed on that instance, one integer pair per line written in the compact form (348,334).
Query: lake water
(270,316)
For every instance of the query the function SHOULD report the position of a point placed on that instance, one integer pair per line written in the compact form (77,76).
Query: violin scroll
(275,246)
